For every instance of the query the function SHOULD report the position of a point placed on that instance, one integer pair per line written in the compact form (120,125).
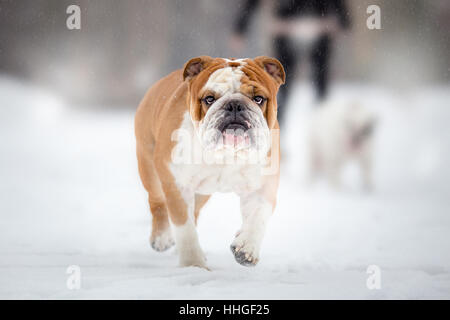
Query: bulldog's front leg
(189,250)
(256,210)
(181,208)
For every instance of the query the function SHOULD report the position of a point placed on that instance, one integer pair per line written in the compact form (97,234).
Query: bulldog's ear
(273,67)
(194,66)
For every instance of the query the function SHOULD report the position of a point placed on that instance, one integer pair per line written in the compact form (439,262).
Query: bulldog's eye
(209,100)
(258,99)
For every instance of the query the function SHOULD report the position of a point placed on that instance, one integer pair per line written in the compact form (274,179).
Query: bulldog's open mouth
(235,134)
(235,125)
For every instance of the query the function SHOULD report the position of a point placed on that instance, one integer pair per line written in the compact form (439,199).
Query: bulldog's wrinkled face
(233,102)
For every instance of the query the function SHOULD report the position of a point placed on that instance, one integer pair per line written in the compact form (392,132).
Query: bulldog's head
(232,103)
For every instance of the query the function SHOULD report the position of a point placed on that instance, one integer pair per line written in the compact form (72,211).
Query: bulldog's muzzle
(235,117)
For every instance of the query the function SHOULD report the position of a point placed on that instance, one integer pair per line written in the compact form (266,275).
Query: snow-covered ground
(70,195)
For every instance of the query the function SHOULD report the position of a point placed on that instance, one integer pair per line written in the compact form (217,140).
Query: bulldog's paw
(197,259)
(162,241)
(246,252)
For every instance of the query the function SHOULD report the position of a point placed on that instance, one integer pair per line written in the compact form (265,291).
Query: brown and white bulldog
(210,127)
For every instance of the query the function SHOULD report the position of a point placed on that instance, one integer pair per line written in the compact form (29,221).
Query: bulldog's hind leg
(256,211)
(161,237)
(200,201)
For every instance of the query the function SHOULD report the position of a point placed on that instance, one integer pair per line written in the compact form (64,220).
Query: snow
(70,195)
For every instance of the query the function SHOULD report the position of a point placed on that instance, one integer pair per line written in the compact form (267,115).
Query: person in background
(294,26)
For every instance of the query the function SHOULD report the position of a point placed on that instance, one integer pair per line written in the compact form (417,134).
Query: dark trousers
(290,58)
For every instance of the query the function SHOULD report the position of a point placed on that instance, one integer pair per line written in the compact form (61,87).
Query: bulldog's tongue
(234,138)
(230,139)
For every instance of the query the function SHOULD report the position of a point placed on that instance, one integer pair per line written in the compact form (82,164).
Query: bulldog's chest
(207,179)
(193,171)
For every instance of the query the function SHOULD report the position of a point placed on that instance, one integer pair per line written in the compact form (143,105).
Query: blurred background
(70,193)
(123,47)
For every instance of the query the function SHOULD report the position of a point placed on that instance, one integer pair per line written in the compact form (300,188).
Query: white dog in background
(339,133)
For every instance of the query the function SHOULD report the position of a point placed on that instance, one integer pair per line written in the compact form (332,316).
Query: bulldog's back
(162,107)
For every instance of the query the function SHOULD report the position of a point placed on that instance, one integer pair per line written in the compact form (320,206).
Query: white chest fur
(192,173)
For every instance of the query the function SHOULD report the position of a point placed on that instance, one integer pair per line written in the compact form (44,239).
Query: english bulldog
(340,132)
(210,127)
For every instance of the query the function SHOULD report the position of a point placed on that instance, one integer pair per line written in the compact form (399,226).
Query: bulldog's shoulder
(165,89)
(163,105)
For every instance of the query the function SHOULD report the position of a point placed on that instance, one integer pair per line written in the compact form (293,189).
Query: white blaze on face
(225,80)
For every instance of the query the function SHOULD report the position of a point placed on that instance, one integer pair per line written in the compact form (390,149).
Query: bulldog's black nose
(234,106)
